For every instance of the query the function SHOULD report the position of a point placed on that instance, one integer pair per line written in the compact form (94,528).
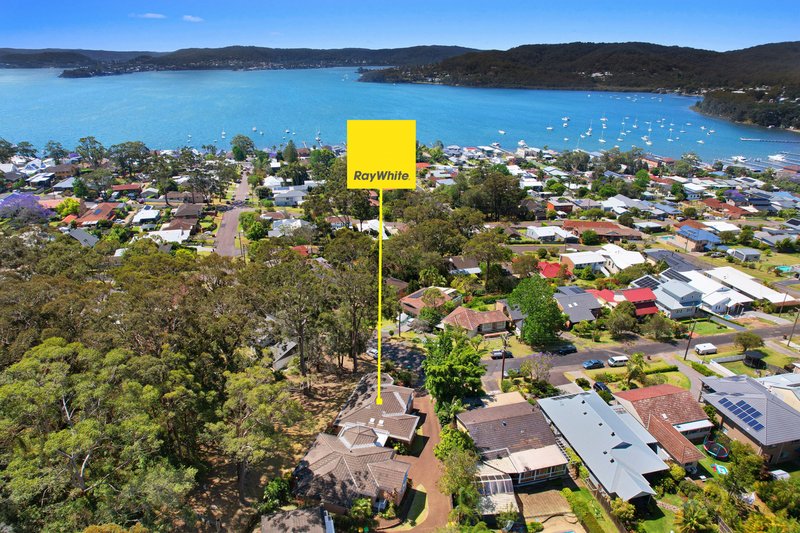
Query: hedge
(702,369)
(583,512)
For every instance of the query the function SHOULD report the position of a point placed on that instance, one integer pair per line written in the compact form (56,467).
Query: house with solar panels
(752,414)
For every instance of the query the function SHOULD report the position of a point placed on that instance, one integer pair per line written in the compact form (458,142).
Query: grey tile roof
(297,520)
(515,427)
(578,307)
(609,448)
(780,422)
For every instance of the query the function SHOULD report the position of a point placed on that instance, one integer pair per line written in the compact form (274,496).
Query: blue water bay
(173,109)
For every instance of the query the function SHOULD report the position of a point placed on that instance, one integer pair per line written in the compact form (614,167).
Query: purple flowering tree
(23,209)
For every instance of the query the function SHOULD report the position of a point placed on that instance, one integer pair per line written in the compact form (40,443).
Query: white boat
(702,128)
(549,128)
(777,157)
(566,139)
(649,143)
(619,139)
(255,129)
(635,124)
(286,130)
(501,132)
(521,143)
(711,131)
(738,159)
(496,145)
(701,141)
(261,133)
(564,119)
(565,124)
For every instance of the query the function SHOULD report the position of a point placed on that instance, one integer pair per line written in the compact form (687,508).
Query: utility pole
(789,342)
(503,364)
(689,342)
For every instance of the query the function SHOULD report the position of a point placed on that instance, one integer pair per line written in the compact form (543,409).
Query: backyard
(704,328)
(771,357)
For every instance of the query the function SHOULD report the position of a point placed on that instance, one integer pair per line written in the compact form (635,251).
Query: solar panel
(741,403)
(647,282)
(758,427)
(673,274)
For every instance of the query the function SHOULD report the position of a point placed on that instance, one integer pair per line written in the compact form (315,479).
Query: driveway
(226,234)
(426,469)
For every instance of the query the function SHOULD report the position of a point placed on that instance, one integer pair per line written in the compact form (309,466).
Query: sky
(164,25)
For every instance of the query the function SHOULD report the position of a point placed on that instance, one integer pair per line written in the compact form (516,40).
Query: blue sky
(161,25)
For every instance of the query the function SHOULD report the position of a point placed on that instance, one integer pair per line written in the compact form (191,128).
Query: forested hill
(414,55)
(604,66)
(100,62)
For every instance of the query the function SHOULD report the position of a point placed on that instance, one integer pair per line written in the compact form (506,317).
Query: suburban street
(226,234)
(563,363)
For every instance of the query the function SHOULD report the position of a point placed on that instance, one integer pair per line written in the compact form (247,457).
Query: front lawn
(704,328)
(653,365)
(771,357)
(515,346)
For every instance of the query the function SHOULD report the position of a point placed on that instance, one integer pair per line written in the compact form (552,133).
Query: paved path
(721,322)
(426,469)
(226,234)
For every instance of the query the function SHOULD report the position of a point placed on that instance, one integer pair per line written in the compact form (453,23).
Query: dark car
(599,386)
(593,363)
(565,350)
(501,354)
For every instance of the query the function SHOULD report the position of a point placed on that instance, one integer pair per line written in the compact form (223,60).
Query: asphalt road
(226,234)
(565,362)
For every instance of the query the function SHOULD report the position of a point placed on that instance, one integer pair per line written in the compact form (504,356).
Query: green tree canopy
(544,319)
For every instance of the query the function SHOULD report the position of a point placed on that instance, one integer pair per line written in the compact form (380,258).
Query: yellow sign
(381,154)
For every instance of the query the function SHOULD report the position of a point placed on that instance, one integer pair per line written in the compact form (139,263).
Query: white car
(373,352)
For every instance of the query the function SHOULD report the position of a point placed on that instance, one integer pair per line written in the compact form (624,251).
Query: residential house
(647,226)
(516,317)
(616,456)
(673,417)
(390,420)
(477,322)
(608,231)
(64,185)
(131,190)
(617,258)
(676,299)
(643,299)
(288,226)
(674,260)
(560,206)
(784,386)
(102,211)
(172,236)
(696,240)
(716,297)
(719,226)
(41,180)
(577,304)
(744,254)
(461,265)
(550,234)
(694,191)
(553,270)
(580,260)
(724,208)
(514,439)
(86,239)
(63,170)
(772,239)
(188,210)
(290,198)
(310,520)
(337,470)
(146,215)
(192,225)
(749,286)
(414,302)
(190,197)
(399,285)
(751,414)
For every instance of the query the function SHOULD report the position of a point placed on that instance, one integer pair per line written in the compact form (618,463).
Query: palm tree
(695,518)
(635,368)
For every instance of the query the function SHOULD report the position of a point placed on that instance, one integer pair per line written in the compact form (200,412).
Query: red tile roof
(470,319)
(127,187)
(551,270)
(103,211)
(605,294)
(422,165)
(639,295)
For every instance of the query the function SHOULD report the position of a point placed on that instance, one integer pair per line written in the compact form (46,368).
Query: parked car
(373,352)
(501,354)
(593,363)
(599,386)
(618,360)
(565,350)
